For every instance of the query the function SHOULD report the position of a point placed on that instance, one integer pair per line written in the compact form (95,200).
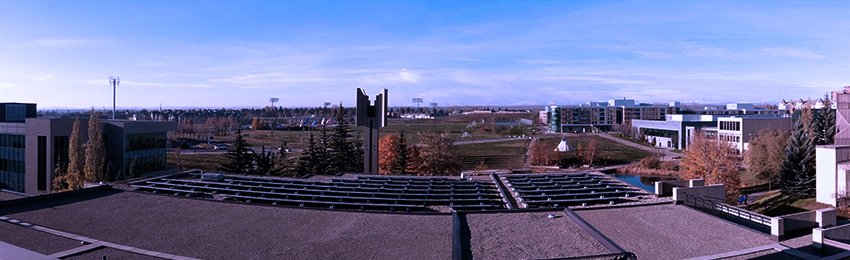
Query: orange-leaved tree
(387,154)
(713,160)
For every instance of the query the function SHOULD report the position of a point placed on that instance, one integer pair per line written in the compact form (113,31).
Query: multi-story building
(677,130)
(671,133)
(738,130)
(31,148)
(602,116)
(733,109)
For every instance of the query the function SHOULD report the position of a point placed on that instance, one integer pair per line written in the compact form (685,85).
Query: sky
(60,54)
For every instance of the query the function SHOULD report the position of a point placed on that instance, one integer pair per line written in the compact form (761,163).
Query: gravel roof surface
(765,255)
(10,196)
(669,231)
(35,240)
(529,235)
(220,230)
(110,253)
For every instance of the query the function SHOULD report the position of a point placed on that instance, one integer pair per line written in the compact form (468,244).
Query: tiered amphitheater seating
(564,190)
(364,193)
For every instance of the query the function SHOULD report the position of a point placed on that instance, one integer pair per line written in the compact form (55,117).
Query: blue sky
(240,53)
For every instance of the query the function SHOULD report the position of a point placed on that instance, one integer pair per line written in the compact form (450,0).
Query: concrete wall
(797,221)
(825,231)
(831,178)
(716,192)
(665,188)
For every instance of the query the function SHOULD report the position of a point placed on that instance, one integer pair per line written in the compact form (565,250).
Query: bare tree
(766,153)
(438,154)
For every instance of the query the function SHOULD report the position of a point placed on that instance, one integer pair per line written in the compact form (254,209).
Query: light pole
(434,111)
(417,101)
(114,82)
(273,100)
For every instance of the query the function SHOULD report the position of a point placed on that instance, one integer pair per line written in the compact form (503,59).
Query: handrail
(723,210)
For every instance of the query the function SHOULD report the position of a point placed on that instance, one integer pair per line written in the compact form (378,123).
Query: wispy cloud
(792,53)
(7,85)
(167,85)
(63,43)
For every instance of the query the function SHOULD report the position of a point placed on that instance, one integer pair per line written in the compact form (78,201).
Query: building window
(42,163)
(16,112)
(60,152)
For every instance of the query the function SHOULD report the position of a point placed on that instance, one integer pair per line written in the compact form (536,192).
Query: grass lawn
(512,148)
(202,161)
(618,135)
(299,139)
(773,204)
(612,153)
(498,155)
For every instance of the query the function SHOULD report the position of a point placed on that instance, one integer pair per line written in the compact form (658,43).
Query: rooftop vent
(209,176)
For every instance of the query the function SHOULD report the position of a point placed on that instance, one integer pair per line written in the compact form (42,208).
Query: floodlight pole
(417,101)
(434,120)
(272,100)
(114,82)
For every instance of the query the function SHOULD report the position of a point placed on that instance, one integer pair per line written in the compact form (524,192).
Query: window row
(729,125)
(7,165)
(14,141)
(145,141)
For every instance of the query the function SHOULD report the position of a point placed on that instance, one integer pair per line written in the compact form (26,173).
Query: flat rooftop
(668,231)
(209,229)
(529,235)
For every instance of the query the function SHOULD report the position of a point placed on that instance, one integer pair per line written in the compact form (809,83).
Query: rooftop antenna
(114,82)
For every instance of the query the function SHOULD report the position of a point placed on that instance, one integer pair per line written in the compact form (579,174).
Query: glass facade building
(12,162)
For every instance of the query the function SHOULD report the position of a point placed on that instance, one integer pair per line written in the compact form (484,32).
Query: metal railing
(728,212)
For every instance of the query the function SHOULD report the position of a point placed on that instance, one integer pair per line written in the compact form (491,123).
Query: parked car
(221,147)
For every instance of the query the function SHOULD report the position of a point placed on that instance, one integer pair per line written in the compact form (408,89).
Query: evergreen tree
(266,163)
(797,175)
(826,133)
(95,150)
(343,154)
(402,160)
(312,160)
(239,159)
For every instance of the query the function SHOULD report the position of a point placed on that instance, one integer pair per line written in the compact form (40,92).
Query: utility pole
(114,82)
